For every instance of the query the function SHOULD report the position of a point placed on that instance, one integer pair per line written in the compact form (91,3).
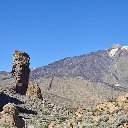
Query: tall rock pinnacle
(20,70)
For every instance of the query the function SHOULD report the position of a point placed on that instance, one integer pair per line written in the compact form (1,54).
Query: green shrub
(42,125)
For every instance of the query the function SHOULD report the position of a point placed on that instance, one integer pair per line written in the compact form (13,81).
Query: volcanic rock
(34,91)
(21,71)
(9,117)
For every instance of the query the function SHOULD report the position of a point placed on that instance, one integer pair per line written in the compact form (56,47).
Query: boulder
(123,102)
(34,91)
(109,107)
(9,117)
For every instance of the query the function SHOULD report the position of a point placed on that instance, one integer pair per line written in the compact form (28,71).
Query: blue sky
(49,30)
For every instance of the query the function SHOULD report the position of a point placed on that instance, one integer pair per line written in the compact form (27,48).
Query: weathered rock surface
(9,117)
(21,70)
(123,102)
(108,107)
(34,91)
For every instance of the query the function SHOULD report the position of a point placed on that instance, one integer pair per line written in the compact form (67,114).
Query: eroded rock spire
(20,70)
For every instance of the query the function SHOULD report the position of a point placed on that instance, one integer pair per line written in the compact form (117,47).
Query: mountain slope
(85,66)
(105,66)
(81,80)
(77,92)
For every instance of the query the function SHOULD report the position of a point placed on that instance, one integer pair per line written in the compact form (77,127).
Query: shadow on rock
(27,111)
(5,99)
(19,122)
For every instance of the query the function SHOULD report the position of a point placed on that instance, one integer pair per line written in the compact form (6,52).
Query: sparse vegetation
(83,98)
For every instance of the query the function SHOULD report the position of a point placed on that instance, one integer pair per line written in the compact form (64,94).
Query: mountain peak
(116,48)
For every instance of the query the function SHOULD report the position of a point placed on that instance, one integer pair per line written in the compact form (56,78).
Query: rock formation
(9,117)
(21,71)
(34,91)
(123,102)
(108,107)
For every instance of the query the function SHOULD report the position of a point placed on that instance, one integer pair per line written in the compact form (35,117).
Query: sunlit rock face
(20,70)
(10,118)
(34,91)
(123,102)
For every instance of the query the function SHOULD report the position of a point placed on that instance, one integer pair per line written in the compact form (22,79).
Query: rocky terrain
(90,91)
(106,69)
(29,112)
